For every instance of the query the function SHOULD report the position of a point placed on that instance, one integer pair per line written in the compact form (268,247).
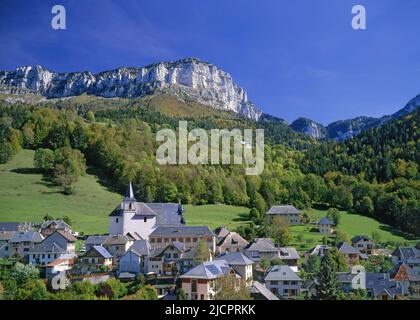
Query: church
(140,219)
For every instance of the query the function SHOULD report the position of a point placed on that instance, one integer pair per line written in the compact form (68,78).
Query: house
(118,245)
(364,244)
(288,212)
(221,233)
(143,218)
(44,253)
(22,242)
(260,292)
(95,240)
(381,286)
(320,250)
(409,278)
(283,282)
(5,237)
(407,255)
(134,261)
(172,260)
(50,226)
(232,242)
(187,235)
(290,257)
(96,259)
(200,282)
(353,280)
(239,262)
(262,248)
(63,238)
(325,226)
(62,264)
(352,255)
(16,226)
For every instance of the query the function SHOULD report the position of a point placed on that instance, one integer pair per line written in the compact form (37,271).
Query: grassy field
(352,224)
(216,215)
(26,196)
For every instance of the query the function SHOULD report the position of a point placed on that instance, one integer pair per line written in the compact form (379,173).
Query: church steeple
(129,195)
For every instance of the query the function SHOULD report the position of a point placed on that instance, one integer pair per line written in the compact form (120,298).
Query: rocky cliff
(188,78)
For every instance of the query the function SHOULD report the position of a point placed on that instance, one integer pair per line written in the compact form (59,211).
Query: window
(152,240)
(175,255)
(145,219)
(116,220)
(187,239)
(6,248)
(130,206)
(194,239)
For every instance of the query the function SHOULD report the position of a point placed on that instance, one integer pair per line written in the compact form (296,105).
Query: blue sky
(295,58)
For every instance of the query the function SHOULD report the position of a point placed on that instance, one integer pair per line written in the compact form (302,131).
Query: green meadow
(26,196)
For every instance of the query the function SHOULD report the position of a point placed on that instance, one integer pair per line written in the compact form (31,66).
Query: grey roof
(27,236)
(6,235)
(142,210)
(175,244)
(258,287)
(318,249)
(117,239)
(233,239)
(141,247)
(180,231)
(262,245)
(288,253)
(60,224)
(345,248)
(413,274)
(209,270)
(407,253)
(346,277)
(102,251)
(47,248)
(282,209)
(168,214)
(282,273)
(221,232)
(65,234)
(96,239)
(356,239)
(235,259)
(379,283)
(9,226)
(325,220)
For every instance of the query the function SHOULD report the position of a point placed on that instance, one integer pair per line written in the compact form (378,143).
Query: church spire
(130,194)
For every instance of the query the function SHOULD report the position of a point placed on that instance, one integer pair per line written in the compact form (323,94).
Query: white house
(143,218)
(283,282)
(240,263)
(42,253)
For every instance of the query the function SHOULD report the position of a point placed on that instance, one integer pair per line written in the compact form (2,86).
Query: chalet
(62,238)
(353,280)
(232,242)
(172,260)
(407,255)
(408,278)
(50,226)
(381,286)
(189,236)
(290,257)
(62,264)
(95,240)
(200,282)
(118,245)
(22,242)
(325,226)
(283,282)
(352,255)
(288,212)
(44,253)
(134,261)
(363,243)
(96,259)
(143,218)
(262,248)
(239,262)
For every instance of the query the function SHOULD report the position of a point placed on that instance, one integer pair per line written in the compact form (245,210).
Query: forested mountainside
(117,137)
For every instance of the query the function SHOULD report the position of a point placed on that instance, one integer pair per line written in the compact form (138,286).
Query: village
(151,241)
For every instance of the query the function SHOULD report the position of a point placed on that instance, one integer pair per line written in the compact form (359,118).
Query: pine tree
(328,286)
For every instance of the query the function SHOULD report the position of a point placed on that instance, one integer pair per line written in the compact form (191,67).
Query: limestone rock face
(188,78)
